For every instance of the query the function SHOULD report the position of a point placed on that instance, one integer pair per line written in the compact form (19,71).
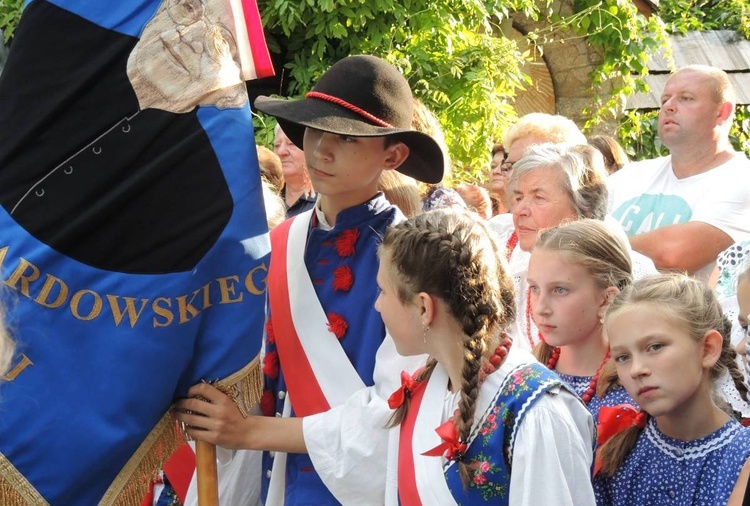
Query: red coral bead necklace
(591,390)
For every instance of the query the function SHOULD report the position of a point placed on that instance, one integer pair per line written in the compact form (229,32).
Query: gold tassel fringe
(133,481)
(244,387)
(15,489)
(131,484)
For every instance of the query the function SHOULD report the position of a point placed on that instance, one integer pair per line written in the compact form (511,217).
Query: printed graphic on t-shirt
(648,212)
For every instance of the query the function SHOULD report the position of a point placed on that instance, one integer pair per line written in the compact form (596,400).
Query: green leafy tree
(456,58)
(682,16)
(638,135)
(624,38)
(10,13)
(462,67)
(449,51)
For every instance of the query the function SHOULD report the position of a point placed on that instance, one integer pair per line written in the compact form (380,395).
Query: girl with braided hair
(670,342)
(480,422)
(575,271)
(477,423)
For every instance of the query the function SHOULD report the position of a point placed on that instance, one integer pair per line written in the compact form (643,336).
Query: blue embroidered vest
(491,442)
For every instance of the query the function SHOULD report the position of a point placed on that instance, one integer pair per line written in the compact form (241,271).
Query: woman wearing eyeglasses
(499,174)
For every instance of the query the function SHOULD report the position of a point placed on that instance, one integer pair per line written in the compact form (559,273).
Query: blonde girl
(743,308)
(478,423)
(575,271)
(670,342)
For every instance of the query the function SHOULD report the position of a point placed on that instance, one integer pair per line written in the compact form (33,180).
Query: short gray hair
(582,174)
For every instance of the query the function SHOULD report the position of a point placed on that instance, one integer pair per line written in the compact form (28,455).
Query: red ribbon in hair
(615,419)
(612,421)
(408,387)
(451,447)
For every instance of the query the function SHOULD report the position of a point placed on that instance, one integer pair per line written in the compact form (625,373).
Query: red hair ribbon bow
(408,386)
(451,447)
(615,419)
(612,421)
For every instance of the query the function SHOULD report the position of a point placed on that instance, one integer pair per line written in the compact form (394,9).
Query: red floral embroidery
(483,471)
(343,278)
(271,365)
(270,336)
(345,242)
(268,403)
(337,324)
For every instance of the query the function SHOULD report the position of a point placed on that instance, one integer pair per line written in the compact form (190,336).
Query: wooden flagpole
(208,480)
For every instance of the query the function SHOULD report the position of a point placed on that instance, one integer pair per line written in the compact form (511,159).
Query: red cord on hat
(351,107)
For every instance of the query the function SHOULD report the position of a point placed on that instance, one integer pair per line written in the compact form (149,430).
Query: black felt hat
(361,96)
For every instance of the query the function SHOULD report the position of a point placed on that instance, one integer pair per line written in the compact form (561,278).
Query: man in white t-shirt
(682,210)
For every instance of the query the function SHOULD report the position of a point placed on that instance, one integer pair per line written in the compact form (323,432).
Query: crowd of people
(572,332)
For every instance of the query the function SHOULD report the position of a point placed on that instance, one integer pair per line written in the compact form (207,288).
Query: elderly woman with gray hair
(551,184)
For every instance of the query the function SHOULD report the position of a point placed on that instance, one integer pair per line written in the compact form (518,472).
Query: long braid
(400,413)
(613,453)
(608,379)
(474,353)
(475,323)
(728,359)
(473,305)
(455,257)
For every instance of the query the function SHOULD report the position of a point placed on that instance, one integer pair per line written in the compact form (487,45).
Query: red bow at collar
(451,447)
(613,420)
(408,386)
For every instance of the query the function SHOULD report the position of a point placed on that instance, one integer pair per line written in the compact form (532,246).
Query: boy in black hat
(323,331)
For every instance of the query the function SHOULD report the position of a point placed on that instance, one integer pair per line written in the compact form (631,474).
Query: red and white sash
(424,476)
(421,479)
(316,369)
(317,372)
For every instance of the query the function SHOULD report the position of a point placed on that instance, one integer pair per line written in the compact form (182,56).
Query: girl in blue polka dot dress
(670,341)
(575,270)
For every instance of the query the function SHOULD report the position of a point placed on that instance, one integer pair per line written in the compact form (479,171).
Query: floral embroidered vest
(491,442)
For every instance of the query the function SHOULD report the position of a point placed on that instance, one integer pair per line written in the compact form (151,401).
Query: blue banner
(133,240)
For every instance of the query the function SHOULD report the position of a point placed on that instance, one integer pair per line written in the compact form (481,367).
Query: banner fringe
(245,387)
(132,483)
(15,489)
